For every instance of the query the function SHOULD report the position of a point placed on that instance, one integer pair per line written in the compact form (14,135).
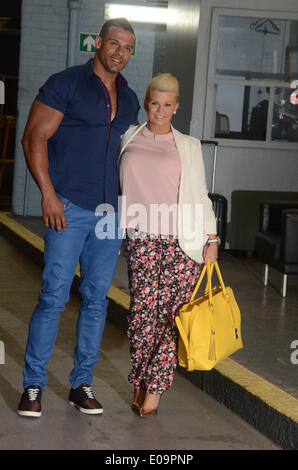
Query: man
(71,144)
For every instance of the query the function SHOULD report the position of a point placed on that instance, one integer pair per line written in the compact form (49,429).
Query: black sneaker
(84,399)
(30,402)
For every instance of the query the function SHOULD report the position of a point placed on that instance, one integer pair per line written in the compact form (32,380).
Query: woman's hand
(211,252)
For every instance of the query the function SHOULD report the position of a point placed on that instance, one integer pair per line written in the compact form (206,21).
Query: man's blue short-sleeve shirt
(83,151)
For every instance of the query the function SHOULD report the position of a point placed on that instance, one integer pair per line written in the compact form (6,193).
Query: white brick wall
(43,52)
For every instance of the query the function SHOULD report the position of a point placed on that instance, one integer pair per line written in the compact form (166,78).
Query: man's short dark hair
(118,23)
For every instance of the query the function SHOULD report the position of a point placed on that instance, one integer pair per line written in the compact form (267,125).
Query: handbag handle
(203,272)
(209,269)
(211,274)
(220,277)
(209,283)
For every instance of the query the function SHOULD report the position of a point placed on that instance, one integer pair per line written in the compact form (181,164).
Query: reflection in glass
(260,50)
(285,126)
(254,47)
(244,109)
(242,112)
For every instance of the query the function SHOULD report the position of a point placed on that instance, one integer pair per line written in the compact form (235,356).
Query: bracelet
(213,240)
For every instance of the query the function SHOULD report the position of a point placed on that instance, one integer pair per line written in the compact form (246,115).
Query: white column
(73,31)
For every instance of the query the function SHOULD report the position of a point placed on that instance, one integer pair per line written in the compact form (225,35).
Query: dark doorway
(10,33)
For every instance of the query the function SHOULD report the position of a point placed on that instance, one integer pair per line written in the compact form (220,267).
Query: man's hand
(53,212)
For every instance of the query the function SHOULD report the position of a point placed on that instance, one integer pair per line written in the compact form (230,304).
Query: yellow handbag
(210,326)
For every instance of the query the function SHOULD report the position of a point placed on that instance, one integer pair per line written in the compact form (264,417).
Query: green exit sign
(87,43)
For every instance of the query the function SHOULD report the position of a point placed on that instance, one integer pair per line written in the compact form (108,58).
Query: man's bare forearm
(42,123)
(36,154)
(35,150)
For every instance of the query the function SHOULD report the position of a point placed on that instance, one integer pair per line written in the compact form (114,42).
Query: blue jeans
(78,242)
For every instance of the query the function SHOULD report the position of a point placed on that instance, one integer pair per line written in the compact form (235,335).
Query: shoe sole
(148,414)
(87,411)
(29,414)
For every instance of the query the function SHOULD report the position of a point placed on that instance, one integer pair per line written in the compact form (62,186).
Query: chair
(222,124)
(276,242)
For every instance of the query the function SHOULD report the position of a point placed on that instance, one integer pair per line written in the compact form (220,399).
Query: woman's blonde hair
(163,82)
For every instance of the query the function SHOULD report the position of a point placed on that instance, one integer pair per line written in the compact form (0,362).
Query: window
(253,62)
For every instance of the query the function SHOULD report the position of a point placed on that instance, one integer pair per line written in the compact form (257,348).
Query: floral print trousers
(161,278)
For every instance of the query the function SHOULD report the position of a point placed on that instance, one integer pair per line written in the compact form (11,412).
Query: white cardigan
(195,214)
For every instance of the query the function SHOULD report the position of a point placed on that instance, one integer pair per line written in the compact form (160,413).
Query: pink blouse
(149,173)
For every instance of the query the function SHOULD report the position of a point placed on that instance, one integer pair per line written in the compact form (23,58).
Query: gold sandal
(135,405)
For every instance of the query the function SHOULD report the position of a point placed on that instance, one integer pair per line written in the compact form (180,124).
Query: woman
(162,180)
